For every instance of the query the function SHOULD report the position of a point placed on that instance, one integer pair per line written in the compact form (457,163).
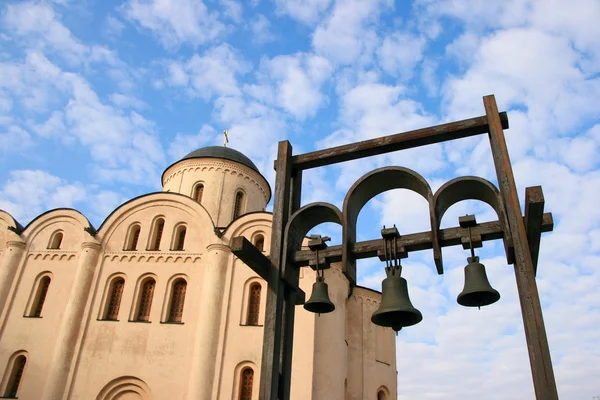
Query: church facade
(153,304)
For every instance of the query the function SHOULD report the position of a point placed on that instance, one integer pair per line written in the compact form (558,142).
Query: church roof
(221,152)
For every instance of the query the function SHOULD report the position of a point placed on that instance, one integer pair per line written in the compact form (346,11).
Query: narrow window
(237,209)
(180,237)
(55,241)
(146,294)
(253,304)
(40,297)
(246,382)
(198,191)
(114,303)
(177,300)
(134,237)
(159,226)
(14,381)
(381,395)
(259,242)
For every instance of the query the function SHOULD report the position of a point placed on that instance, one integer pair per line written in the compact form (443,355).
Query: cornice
(218,246)
(366,294)
(178,257)
(16,243)
(53,255)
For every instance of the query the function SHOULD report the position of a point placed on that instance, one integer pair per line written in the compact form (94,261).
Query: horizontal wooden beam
(534,214)
(399,141)
(261,264)
(413,242)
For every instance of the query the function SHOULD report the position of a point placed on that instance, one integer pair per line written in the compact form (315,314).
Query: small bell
(395,310)
(319,299)
(477,291)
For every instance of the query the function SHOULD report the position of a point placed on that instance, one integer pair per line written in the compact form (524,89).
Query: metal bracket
(467,239)
(391,234)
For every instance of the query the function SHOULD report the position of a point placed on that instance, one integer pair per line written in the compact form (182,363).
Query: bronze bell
(395,310)
(477,291)
(319,299)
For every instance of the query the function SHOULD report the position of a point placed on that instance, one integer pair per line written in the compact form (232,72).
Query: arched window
(157,231)
(16,375)
(259,242)
(237,207)
(382,393)
(198,191)
(133,238)
(179,237)
(253,304)
(246,383)
(114,299)
(39,296)
(177,300)
(145,299)
(55,241)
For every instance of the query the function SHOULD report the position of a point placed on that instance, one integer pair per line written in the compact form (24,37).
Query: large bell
(319,299)
(395,310)
(477,291)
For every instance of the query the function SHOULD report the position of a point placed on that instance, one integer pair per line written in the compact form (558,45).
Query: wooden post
(535,332)
(274,318)
(291,273)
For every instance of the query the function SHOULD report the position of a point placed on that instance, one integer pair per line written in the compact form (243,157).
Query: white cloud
(260,28)
(113,27)
(305,11)
(347,35)
(232,9)
(183,144)
(210,74)
(297,81)
(399,54)
(28,193)
(14,139)
(175,22)
(125,101)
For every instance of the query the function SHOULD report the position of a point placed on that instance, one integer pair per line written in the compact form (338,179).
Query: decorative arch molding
(125,385)
(165,200)
(471,188)
(154,257)
(370,185)
(79,224)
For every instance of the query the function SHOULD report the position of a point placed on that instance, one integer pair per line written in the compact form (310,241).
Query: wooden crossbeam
(261,264)
(414,242)
(534,214)
(399,141)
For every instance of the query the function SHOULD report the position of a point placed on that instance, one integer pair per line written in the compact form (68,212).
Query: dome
(221,152)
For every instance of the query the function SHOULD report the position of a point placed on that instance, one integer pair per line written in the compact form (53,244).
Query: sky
(97,98)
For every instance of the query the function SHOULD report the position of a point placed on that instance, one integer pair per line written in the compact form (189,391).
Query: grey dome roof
(221,152)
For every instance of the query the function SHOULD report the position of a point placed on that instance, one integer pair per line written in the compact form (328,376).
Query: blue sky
(98,97)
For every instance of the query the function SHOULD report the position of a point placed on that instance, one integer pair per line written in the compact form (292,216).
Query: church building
(152,304)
